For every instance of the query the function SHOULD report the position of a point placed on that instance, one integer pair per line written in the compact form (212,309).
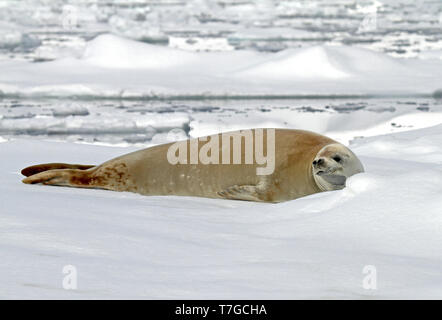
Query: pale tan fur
(148,172)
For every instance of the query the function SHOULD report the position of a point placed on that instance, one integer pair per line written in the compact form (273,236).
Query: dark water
(145,122)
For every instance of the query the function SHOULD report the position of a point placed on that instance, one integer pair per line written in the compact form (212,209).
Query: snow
(87,82)
(309,63)
(45,30)
(112,52)
(128,246)
(115,67)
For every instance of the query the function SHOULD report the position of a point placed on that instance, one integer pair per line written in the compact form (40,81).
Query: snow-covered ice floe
(128,246)
(144,123)
(115,67)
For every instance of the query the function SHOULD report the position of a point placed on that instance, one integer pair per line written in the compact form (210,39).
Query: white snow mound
(116,67)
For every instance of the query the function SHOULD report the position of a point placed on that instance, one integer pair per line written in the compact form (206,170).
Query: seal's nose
(318,162)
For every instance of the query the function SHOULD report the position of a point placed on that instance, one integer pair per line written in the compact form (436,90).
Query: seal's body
(304,163)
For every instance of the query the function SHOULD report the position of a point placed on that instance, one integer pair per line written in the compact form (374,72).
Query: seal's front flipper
(245,192)
(29,171)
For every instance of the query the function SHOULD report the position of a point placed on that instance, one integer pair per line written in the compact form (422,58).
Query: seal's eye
(337,158)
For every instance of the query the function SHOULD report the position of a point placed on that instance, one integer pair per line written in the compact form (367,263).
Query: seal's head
(332,166)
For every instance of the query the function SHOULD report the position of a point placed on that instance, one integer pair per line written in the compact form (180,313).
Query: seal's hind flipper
(58,177)
(63,177)
(29,171)
(245,192)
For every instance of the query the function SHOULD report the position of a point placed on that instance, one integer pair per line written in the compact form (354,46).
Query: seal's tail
(30,171)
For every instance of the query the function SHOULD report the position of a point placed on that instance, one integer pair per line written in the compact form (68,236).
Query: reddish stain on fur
(113,177)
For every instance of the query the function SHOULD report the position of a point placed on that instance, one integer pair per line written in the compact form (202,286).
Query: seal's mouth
(334,179)
(330,175)
(328,171)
